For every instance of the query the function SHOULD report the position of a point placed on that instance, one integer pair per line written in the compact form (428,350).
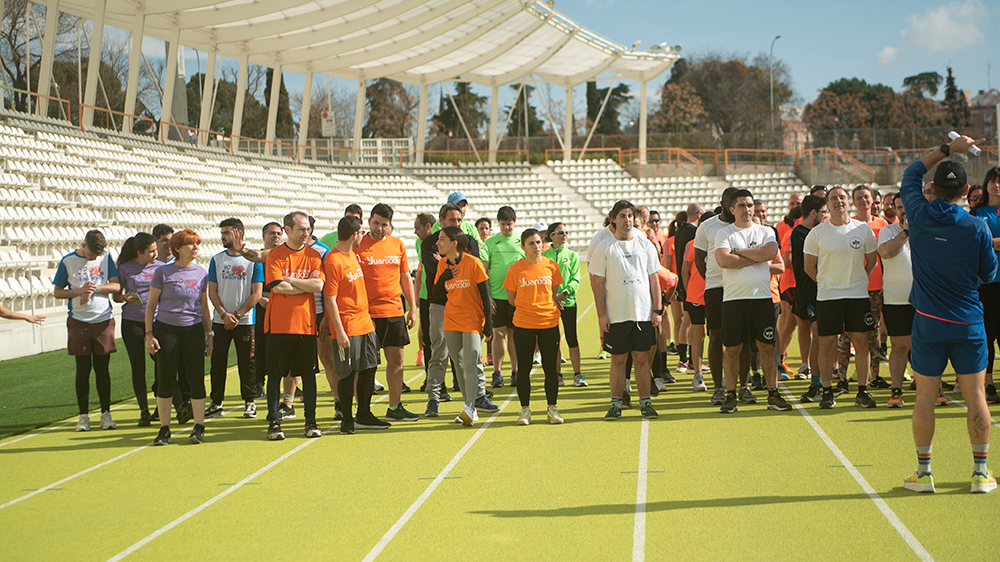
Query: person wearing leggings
(532,286)
(569,267)
(467,314)
(86,278)
(136,265)
(988,209)
(178,298)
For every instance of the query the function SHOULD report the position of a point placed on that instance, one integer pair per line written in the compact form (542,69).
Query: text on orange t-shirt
(464,311)
(291,314)
(346,281)
(384,264)
(534,307)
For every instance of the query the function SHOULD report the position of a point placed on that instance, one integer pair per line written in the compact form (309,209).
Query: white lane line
(889,514)
(228,491)
(398,525)
(966,408)
(584,313)
(639,528)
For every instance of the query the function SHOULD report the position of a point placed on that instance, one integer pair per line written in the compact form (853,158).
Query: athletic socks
(862,388)
(924,458)
(682,351)
(979,453)
(289,399)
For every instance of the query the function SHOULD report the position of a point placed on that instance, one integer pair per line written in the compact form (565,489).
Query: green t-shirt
(423,283)
(330,240)
(467,227)
(501,253)
(569,267)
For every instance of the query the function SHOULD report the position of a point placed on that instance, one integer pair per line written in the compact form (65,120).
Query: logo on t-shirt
(142,278)
(540,280)
(856,243)
(457,284)
(384,260)
(234,272)
(192,285)
(353,276)
(90,273)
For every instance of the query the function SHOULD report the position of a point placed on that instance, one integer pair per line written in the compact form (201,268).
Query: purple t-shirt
(136,278)
(180,297)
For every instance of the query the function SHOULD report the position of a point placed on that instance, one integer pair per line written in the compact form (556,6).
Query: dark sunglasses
(653,220)
(562,232)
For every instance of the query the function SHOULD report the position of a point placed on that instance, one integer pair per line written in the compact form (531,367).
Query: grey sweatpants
(438,362)
(465,349)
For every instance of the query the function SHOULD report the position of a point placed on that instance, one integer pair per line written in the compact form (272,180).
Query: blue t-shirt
(235,276)
(181,289)
(75,271)
(991,215)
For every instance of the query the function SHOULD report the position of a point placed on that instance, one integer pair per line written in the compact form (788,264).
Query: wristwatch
(210,333)
(658,311)
(945,149)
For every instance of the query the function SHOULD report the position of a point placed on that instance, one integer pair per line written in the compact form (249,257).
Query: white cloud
(888,57)
(947,28)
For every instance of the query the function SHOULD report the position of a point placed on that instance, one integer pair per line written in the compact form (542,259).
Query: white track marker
(639,529)
(966,408)
(398,525)
(889,514)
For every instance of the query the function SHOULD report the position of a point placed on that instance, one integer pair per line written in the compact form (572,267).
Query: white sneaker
(698,383)
(84,423)
(107,422)
(803,373)
(553,415)
(525,417)
(378,386)
(467,416)
(660,385)
(537,359)
(250,411)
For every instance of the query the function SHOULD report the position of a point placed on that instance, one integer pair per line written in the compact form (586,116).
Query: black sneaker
(155,416)
(947,386)
(667,377)
(286,412)
(185,413)
(729,406)
(991,394)
(312,430)
(144,419)
(864,400)
(163,437)
(672,349)
(213,411)
(756,383)
(338,414)
(443,396)
(746,396)
(842,387)
(814,394)
(298,392)
(405,388)
(879,383)
(260,391)
(653,389)
(274,432)
(513,379)
(776,402)
(369,421)
(827,402)
(197,434)
(626,401)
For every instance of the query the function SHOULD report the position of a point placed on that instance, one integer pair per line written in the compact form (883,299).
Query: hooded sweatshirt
(952,253)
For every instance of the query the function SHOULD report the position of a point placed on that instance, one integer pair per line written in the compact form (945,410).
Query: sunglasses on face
(562,232)
(653,220)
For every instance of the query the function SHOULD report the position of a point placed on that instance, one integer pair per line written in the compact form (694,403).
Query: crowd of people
(913,268)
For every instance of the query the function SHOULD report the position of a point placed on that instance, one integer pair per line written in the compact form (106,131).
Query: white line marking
(889,514)
(398,525)
(584,313)
(639,528)
(966,408)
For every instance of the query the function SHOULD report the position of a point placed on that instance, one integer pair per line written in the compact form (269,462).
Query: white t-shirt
(752,281)
(598,239)
(626,266)
(235,277)
(704,240)
(897,271)
(840,253)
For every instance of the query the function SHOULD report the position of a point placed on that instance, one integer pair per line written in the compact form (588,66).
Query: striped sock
(924,459)
(979,453)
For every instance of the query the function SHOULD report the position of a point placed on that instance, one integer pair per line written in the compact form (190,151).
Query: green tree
(680,109)
(608,124)
(472,106)
(391,110)
(284,126)
(924,82)
(516,127)
(956,104)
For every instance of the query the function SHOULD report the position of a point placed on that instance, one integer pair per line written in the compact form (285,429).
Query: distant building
(984,113)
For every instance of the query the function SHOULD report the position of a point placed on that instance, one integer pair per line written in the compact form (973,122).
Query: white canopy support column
(306,109)
(421,124)
(48,55)
(272,104)
(494,115)
(241,94)
(94,65)
(207,86)
(642,122)
(568,126)
(166,107)
(359,117)
(134,60)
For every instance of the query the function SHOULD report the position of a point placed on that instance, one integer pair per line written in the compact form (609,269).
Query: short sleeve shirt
(696,283)
(75,271)
(235,276)
(345,280)
(136,278)
(534,307)
(502,252)
(291,314)
(626,266)
(990,214)
(704,240)
(875,279)
(840,253)
(752,281)
(384,264)
(181,289)
(464,310)
(897,271)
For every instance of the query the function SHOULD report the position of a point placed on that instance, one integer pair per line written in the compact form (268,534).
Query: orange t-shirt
(875,279)
(464,311)
(534,308)
(785,239)
(346,282)
(696,283)
(384,264)
(291,314)
(667,278)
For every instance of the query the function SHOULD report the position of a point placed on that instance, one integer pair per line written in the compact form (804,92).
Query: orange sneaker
(896,399)
(941,400)
(420,358)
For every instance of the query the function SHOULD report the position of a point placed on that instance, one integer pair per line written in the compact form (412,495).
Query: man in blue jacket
(952,253)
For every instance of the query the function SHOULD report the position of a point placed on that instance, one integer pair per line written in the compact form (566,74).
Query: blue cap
(456,196)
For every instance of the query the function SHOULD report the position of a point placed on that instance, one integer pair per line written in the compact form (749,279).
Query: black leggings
(180,344)
(569,326)
(989,295)
(240,337)
(548,344)
(133,334)
(100,364)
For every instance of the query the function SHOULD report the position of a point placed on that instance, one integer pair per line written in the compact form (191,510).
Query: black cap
(949,175)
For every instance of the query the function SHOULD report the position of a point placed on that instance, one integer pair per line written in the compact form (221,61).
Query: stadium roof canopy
(489,42)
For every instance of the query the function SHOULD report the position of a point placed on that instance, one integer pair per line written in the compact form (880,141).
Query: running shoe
(405,388)
(312,430)
(274,432)
(718,397)
(378,387)
(783,366)
(667,377)
(895,399)
(947,386)
(827,402)
(756,383)
(672,349)
(524,418)
(782,375)
(369,421)
(443,396)
(286,412)
(654,390)
(338,413)
(155,416)
(213,411)
(920,482)
(578,380)
(682,366)
(729,406)
(705,368)
(400,414)
(467,416)
(603,355)
(626,400)
(614,413)
(537,358)
(812,395)
(489,394)
(489,357)
(879,383)
(983,483)
(776,402)
(432,409)
(420,358)
(484,405)
(144,419)
(250,410)
(346,430)
(941,400)
(561,358)
(197,434)
(698,383)
(561,381)
(864,400)
(803,373)
(842,387)
(991,394)
(553,414)
(163,437)
(107,422)
(746,396)
(185,413)
(648,412)
(660,384)
(513,379)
